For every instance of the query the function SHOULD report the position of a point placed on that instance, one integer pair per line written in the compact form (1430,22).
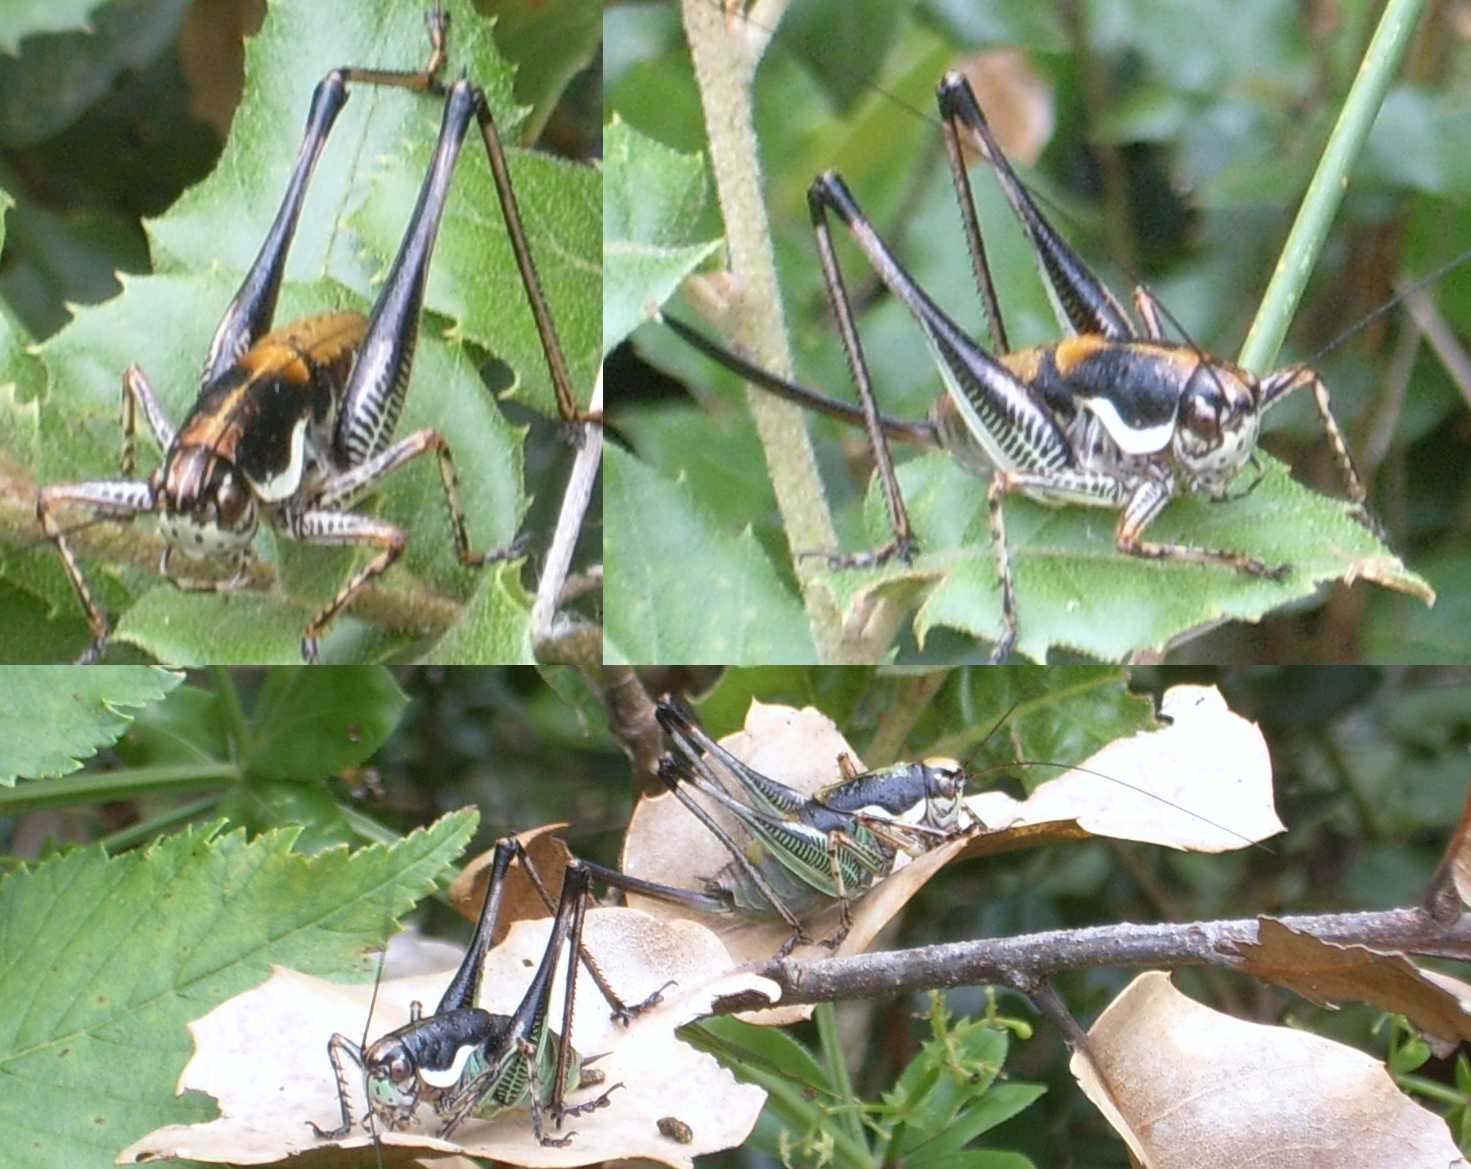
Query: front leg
(325,526)
(326,523)
(1277,385)
(108,499)
(340,1049)
(138,391)
(1146,502)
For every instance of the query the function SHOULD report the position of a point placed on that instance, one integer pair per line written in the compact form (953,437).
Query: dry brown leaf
(263,1056)
(519,899)
(1203,783)
(1017,100)
(1187,1086)
(1331,972)
(1458,859)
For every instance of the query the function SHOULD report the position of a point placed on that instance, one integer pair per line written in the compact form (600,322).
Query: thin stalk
(125,784)
(825,1015)
(787,1094)
(910,701)
(1433,1089)
(146,830)
(1325,192)
(229,696)
(367,827)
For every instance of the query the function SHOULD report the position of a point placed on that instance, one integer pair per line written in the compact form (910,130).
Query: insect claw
(309,650)
(328,1134)
(1002,649)
(626,1014)
(96,649)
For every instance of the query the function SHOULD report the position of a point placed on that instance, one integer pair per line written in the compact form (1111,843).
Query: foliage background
(112,110)
(1370,775)
(1184,136)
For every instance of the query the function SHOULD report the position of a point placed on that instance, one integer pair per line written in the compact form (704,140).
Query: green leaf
(677,590)
(28,18)
(1075,591)
(202,246)
(1401,631)
(844,42)
(117,954)
(316,722)
(495,625)
(836,692)
(52,721)
(652,201)
(942,1079)
(85,46)
(998,1104)
(551,40)
(1060,717)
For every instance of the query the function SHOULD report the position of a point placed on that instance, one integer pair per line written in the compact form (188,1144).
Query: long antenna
(363,1047)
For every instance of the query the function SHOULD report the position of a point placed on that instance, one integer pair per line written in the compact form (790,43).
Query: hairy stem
(725,55)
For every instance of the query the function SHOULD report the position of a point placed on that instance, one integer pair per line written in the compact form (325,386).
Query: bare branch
(631,720)
(1023,962)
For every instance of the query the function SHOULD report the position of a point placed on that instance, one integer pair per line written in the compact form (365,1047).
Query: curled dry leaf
(1203,783)
(263,1056)
(1331,972)
(1187,1086)
(519,899)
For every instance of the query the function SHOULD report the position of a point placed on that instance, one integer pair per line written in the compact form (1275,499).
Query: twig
(1023,962)
(631,721)
(725,55)
(555,636)
(898,720)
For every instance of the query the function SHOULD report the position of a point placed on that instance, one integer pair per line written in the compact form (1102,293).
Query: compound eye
(947,776)
(232,501)
(1202,416)
(399,1067)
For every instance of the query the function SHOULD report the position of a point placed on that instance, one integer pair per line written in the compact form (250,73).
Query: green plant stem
(787,1095)
(1433,1089)
(825,1015)
(127,783)
(229,696)
(367,827)
(146,830)
(1325,192)
(910,701)
(725,57)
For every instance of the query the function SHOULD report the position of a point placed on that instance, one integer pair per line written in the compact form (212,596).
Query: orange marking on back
(1071,352)
(1024,363)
